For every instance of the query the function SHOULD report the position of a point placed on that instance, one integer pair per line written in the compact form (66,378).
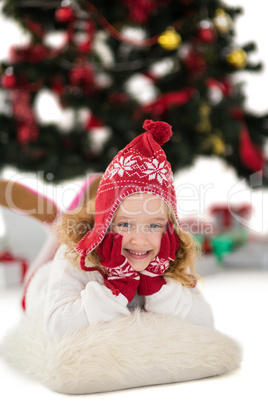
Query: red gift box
(12,269)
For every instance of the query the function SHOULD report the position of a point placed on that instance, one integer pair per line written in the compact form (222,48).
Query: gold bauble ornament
(169,39)
(237,58)
(215,143)
(222,21)
(204,110)
(204,125)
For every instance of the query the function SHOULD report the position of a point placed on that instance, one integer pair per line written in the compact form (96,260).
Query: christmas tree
(121,62)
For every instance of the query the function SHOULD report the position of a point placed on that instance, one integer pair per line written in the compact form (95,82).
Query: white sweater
(73,299)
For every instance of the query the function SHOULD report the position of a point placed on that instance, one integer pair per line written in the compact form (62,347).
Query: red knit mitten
(121,277)
(151,279)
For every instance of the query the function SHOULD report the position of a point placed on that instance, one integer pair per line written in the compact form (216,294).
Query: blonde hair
(75,224)
(183,268)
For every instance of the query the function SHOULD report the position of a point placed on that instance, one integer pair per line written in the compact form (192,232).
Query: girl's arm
(187,304)
(76,299)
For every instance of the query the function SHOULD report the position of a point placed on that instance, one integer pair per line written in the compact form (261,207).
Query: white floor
(240,302)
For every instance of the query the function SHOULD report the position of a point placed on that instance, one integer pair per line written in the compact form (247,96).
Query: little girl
(124,251)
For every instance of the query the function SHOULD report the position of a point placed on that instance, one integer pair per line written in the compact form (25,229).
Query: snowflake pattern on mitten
(122,271)
(157,267)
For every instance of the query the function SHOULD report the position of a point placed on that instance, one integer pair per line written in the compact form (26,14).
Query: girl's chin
(138,265)
(139,268)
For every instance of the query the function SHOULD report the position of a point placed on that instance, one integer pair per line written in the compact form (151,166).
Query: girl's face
(141,220)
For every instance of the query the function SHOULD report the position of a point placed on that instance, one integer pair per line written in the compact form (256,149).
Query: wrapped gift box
(12,269)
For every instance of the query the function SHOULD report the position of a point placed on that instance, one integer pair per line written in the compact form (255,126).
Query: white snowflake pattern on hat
(123,165)
(156,170)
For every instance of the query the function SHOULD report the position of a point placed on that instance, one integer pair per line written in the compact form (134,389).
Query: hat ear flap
(84,244)
(83,261)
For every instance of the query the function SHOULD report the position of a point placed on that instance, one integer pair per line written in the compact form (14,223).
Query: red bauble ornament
(93,122)
(140,10)
(35,28)
(38,53)
(57,85)
(27,133)
(85,47)
(195,63)
(8,81)
(64,14)
(30,53)
(206,33)
(82,76)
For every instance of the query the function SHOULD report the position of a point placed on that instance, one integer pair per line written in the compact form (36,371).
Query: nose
(139,236)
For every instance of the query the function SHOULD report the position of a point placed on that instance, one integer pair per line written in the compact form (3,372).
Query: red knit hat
(141,167)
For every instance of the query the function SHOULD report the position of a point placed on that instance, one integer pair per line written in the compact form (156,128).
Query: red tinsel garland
(24,116)
(161,104)
(252,155)
(140,10)
(118,35)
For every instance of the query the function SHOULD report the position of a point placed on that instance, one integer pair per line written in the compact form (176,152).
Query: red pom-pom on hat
(160,130)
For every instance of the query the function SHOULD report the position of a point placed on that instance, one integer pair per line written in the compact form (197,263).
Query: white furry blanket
(133,351)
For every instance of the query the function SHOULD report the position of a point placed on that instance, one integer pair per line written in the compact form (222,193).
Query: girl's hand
(121,277)
(169,245)
(151,279)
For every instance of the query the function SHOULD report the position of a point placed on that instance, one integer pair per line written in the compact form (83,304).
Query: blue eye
(156,227)
(124,225)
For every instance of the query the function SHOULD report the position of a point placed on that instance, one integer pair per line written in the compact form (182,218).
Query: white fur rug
(138,350)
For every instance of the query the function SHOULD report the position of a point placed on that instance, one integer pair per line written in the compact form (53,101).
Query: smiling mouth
(138,253)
